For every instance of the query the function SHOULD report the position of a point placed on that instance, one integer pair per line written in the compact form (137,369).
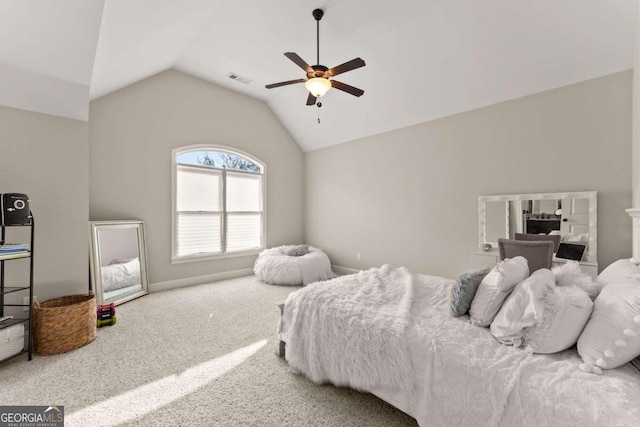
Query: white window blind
(198,210)
(244,231)
(244,211)
(218,210)
(199,189)
(199,232)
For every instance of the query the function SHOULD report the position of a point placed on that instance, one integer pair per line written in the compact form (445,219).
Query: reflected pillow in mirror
(523,308)
(121,261)
(495,288)
(464,290)
(576,238)
(566,311)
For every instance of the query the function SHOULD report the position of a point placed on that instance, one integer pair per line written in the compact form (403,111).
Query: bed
(445,371)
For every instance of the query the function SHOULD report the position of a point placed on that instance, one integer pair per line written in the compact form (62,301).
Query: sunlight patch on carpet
(150,397)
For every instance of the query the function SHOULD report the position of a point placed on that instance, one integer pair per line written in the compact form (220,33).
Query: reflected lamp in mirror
(573,216)
(118,261)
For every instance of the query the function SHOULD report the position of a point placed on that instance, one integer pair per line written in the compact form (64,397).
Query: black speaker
(14,209)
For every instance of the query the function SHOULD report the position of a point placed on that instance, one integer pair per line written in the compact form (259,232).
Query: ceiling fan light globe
(318,86)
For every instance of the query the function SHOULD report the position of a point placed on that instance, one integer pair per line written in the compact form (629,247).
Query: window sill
(211,257)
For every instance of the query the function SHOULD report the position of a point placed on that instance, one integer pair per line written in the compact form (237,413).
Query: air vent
(238,78)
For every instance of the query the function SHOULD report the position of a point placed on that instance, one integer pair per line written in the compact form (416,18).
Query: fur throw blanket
(350,331)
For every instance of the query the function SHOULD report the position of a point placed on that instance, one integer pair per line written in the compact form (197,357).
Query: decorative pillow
(570,274)
(618,272)
(495,288)
(464,290)
(299,250)
(610,338)
(566,311)
(523,308)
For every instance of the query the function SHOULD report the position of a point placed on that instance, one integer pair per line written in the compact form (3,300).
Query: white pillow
(566,311)
(523,308)
(570,274)
(618,272)
(495,288)
(611,337)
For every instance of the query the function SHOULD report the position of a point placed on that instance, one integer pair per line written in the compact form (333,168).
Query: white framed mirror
(118,261)
(572,215)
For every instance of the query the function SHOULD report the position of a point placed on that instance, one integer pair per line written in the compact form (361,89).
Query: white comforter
(322,319)
(461,376)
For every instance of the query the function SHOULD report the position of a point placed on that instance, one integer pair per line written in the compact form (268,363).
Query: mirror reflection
(497,215)
(118,261)
(572,216)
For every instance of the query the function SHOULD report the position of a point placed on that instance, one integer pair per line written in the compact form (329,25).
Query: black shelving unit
(4,290)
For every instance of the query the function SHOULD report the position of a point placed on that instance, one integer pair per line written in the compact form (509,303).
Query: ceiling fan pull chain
(319,104)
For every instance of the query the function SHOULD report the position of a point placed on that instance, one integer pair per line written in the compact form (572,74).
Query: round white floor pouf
(272,266)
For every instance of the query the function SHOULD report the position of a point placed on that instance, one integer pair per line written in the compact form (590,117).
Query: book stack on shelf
(11,251)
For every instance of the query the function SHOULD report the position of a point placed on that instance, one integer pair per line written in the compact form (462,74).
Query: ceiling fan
(318,80)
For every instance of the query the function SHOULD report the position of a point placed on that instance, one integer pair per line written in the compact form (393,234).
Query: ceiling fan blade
(311,100)
(346,88)
(347,66)
(299,61)
(290,82)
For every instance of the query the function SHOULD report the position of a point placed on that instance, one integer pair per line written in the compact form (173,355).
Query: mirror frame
(592,249)
(94,258)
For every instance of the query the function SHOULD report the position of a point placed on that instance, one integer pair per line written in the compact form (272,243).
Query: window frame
(175,259)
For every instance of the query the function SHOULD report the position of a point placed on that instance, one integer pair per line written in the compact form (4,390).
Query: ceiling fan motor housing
(318,71)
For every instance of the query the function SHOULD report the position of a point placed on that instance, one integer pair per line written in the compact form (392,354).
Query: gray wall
(46,157)
(409,197)
(132,133)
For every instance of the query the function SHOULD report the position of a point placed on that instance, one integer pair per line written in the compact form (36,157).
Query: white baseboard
(343,270)
(198,280)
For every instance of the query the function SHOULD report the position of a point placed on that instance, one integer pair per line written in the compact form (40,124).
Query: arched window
(218,203)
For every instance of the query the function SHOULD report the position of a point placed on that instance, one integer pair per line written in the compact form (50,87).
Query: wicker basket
(64,324)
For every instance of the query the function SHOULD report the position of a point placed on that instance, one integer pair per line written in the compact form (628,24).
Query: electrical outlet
(25,302)
(358,256)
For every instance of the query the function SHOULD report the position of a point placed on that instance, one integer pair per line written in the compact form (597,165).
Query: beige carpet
(196,356)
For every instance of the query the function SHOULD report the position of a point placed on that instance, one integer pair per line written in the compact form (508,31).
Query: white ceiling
(425,58)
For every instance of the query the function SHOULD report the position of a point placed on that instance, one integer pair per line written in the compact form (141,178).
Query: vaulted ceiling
(425,58)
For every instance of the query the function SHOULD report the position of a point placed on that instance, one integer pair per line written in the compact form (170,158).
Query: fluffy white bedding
(322,320)
(462,376)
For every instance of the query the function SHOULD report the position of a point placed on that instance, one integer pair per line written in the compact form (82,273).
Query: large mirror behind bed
(118,261)
(573,216)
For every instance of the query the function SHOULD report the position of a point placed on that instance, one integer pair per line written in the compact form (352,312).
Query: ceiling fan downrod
(318,14)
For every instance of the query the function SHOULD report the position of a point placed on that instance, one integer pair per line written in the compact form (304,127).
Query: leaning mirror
(118,261)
